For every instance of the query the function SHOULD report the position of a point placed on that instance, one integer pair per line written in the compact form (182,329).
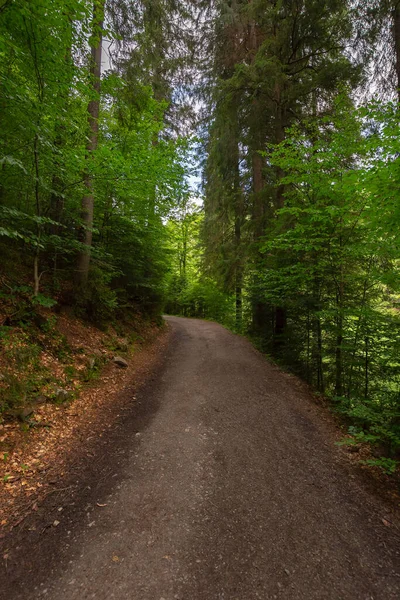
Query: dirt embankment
(76,398)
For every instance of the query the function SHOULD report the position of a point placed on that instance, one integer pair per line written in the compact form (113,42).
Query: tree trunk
(93,119)
(308,363)
(238,216)
(280,311)
(260,310)
(258,138)
(239,266)
(338,359)
(36,259)
(320,371)
(238,302)
(396,31)
(339,336)
(366,376)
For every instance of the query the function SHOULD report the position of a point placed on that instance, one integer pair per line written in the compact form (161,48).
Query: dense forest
(235,160)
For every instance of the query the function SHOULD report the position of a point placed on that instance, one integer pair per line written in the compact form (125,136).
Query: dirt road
(232,489)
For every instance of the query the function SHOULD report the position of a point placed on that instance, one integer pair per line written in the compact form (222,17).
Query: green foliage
(41,300)
(27,356)
(330,259)
(301,203)
(22,370)
(387,465)
(137,171)
(96,301)
(191,292)
(21,305)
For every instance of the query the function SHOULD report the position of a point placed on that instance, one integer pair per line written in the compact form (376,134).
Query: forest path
(233,491)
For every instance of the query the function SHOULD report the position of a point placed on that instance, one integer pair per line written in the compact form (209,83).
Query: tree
(66,138)
(275,63)
(93,110)
(338,273)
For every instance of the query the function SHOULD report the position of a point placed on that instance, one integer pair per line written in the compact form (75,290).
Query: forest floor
(204,473)
(40,443)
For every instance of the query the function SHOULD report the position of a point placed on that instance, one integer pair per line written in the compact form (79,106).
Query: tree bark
(396,31)
(320,370)
(36,276)
(280,311)
(339,326)
(238,241)
(338,358)
(87,204)
(260,310)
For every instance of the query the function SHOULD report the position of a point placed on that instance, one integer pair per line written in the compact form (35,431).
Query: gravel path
(233,490)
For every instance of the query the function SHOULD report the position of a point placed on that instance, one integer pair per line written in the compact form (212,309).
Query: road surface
(233,490)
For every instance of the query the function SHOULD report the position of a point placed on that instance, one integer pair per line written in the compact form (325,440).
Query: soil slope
(227,486)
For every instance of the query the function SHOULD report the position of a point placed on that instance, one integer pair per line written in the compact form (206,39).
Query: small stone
(120,362)
(24,413)
(56,523)
(61,395)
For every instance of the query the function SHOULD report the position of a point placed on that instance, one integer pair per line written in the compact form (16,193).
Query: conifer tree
(291,59)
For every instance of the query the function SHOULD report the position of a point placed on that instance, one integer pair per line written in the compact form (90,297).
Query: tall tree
(289,59)
(96,42)
(224,200)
